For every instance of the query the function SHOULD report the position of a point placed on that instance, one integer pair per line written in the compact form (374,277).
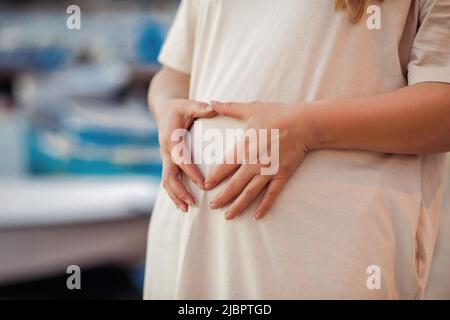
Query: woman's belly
(341,212)
(344,182)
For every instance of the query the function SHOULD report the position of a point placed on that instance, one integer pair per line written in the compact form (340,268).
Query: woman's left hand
(247,181)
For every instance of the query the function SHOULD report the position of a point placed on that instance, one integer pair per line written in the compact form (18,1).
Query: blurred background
(79,158)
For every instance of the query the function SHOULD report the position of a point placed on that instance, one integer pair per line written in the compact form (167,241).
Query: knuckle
(250,193)
(182,194)
(271,195)
(232,186)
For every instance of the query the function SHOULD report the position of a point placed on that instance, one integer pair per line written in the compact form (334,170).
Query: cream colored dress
(342,211)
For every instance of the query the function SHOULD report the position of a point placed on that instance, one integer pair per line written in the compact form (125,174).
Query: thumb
(200,110)
(230,109)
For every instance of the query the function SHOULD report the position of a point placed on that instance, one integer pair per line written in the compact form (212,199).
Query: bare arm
(411,120)
(166,85)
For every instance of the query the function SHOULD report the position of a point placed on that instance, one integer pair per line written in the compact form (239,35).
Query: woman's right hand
(179,114)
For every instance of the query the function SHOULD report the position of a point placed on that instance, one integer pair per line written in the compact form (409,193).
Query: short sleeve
(177,50)
(430,53)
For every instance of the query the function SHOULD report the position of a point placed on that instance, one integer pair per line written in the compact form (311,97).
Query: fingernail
(189,201)
(257,216)
(208,185)
(228,216)
(213,205)
(209,108)
(182,208)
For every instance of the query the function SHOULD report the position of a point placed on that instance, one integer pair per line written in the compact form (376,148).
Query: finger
(185,163)
(178,202)
(174,186)
(231,109)
(201,110)
(273,190)
(245,199)
(235,186)
(193,173)
(232,161)
(219,174)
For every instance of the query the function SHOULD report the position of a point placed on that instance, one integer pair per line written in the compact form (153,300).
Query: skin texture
(412,120)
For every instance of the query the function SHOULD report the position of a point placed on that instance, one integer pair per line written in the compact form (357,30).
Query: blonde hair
(355,8)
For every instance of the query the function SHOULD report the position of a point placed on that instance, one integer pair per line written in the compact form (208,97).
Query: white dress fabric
(342,211)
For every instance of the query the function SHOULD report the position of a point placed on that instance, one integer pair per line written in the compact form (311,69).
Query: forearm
(167,84)
(411,120)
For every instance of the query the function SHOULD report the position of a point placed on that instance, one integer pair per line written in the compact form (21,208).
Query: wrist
(168,108)
(309,124)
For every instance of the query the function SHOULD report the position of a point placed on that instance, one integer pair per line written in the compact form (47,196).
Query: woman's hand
(247,182)
(179,114)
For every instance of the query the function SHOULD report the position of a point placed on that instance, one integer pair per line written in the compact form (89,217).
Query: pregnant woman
(359,91)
